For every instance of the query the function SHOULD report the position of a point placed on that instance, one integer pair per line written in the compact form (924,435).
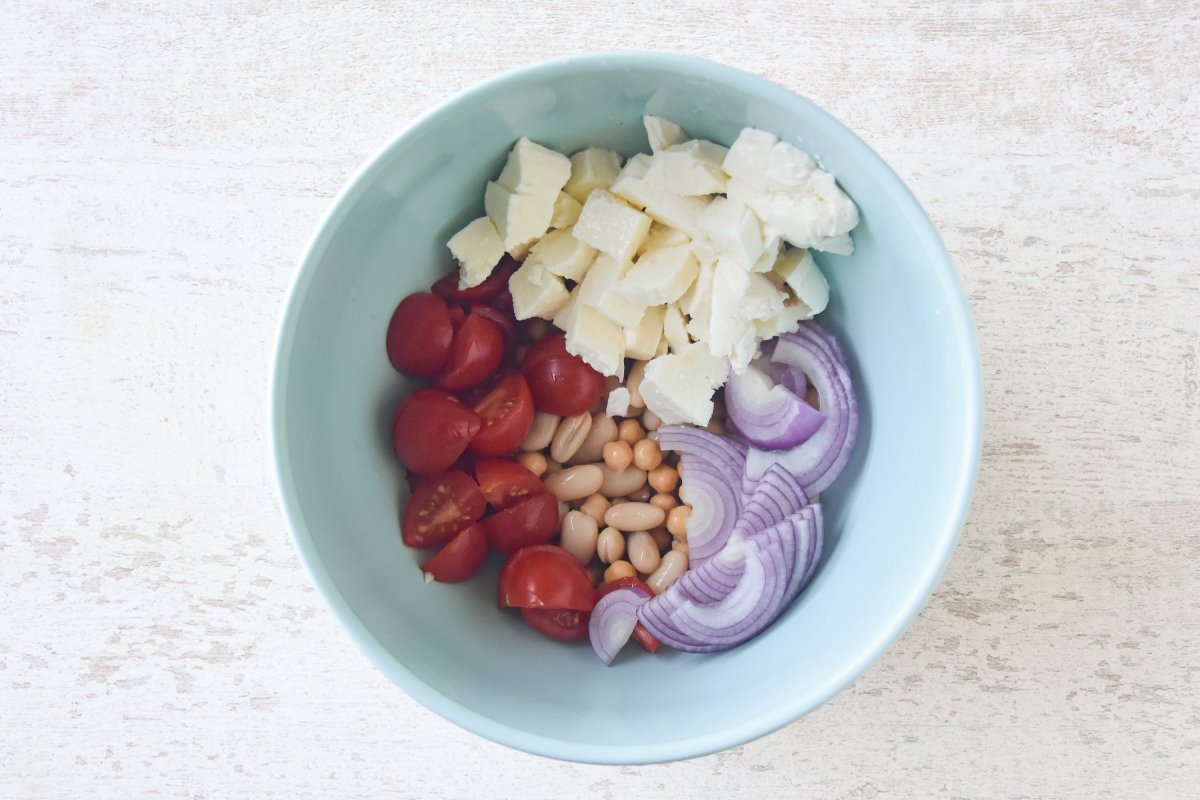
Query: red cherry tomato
(431,430)
(560,624)
(419,335)
(532,521)
(457,315)
(545,576)
(505,483)
(645,638)
(503,302)
(440,508)
(460,558)
(507,325)
(507,414)
(563,385)
(553,345)
(477,350)
(447,287)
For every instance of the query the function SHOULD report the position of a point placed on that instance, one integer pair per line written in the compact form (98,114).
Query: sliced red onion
(769,414)
(776,497)
(722,452)
(818,545)
(791,379)
(819,460)
(613,620)
(715,501)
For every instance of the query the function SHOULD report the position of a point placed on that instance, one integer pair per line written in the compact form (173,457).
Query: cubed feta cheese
(734,229)
(788,168)
(698,297)
(629,183)
(801,273)
(841,244)
(534,169)
(785,321)
(675,329)
(641,342)
(678,389)
(536,292)
(662,236)
(749,157)
(618,402)
(593,168)
(739,299)
(610,225)
(477,248)
(597,340)
(770,253)
(694,168)
(519,218)
(564,255)
(566,211)
(659,276)
(662,133)
(805,217)
(597,287)
(679,212)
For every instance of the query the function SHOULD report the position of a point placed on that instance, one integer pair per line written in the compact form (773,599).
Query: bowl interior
(892,519)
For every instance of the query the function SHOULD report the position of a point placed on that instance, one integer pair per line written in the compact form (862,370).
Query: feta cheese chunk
(534,169)
(566,211)
(662,133)
(801,273)
(618,402)
(749,158)
(564,255)
(770,253)
(734,230)
(662,236)
(629,183)
(477,248)
(678,387)
(786,321)
(659,276)
(641,342)
(610,225)
(675,329)
(519,218)
(597,340)
(596,291)
(593,168)
(739,299)
(694,168)
(676,211)
(788,168)
(805,218)
(536,292)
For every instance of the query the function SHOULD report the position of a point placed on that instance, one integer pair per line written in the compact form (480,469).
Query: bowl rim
(792,708)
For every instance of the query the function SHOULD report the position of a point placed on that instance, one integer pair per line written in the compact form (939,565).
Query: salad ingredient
(634,516)
(800,272)
(602,431)
(575,483)
(425,354)
(451,289)
(569,436)
(643,552)
(597,340)
(618,570)
(560,624)
(640,634)
(677,520)
(534,462)
(694,168)
(595,506)
(611,225)
(662,133)
(614,619)
(769,414)
(647,455)
(545,576)
(541,431)
(618,455)
(678,387)
(431,430)
(663,478)
(460,558)
(593,168)
(477,350)
(630,431)
(659,276)
(505,483)
(621,483)
(477,247)
(618,402)
(561,383)
(537,292)
(610,546)
(579,535)
(506,412)
(673,564)
(520,202)
(566,211)
(561,254)
(439,508)
(532,521)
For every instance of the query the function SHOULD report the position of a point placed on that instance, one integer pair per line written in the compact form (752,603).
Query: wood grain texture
(162,165)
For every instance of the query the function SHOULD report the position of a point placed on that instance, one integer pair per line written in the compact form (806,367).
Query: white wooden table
(162,165)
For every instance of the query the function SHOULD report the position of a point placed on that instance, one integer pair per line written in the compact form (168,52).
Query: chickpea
(647,454)
(631,431)
(595,507)
(534,462)
(664,501)
(664,479)
(618,454)
(618,570)
(677,521)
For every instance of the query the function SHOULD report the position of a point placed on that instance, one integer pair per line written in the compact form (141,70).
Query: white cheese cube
(803,218)
(519,218)
(565,318)
(641,342)
(662,133)
(698,298)
(678,390)
(801,273)
(536,292)
(566,211)
(659,276)
(597,340)
(679,212)
(674,328)
(564,255)
(694,168)
(749,158)
(593,168)
(629,184)
(841,244)
(770,254)
(611,226)
(734,229)
(707,366)
(663,348)
(727,327)
(618,402)
(596,291)
(786,321)
(534,169)
(477,248)
(788,168)
(662,236)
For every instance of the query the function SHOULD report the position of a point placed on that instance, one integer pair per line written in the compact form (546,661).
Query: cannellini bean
(650,420)
(661,538)
(672,565)
(630,430)
(634,517)
(575,483)
(664,501)
(677,521)
(579,535)
(603,431)
(618,455)
(618,483)
(634,384)
(643,551)
(595,506)
(541,432)
(664,478)
(618,570)
(569,436)
(563,510)
(647,454)
(534,462)
(610,545)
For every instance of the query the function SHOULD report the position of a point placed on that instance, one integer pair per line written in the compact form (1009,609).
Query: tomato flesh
(532,521)
(419,335)
(441,507)
(505,483)
(545,576)
(505,322)
(476,351)
(507,415)
(431,430)
(560,382)
(559,624)
(460,558)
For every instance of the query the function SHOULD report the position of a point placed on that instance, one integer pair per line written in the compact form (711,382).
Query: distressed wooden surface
(162,165)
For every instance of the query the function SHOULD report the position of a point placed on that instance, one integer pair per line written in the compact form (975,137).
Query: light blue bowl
(893,518)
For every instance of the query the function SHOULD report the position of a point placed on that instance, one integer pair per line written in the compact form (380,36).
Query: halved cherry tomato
(545,576)
(645,638)
(431,429)
(503,302)
(507,325)
(560,624)
(419,335)
(477,350)
(447,287)
(507,414)
(460,558)
(457,315)
(440,508)
(505,483)
(554,345)
(532,521)
(562,385)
